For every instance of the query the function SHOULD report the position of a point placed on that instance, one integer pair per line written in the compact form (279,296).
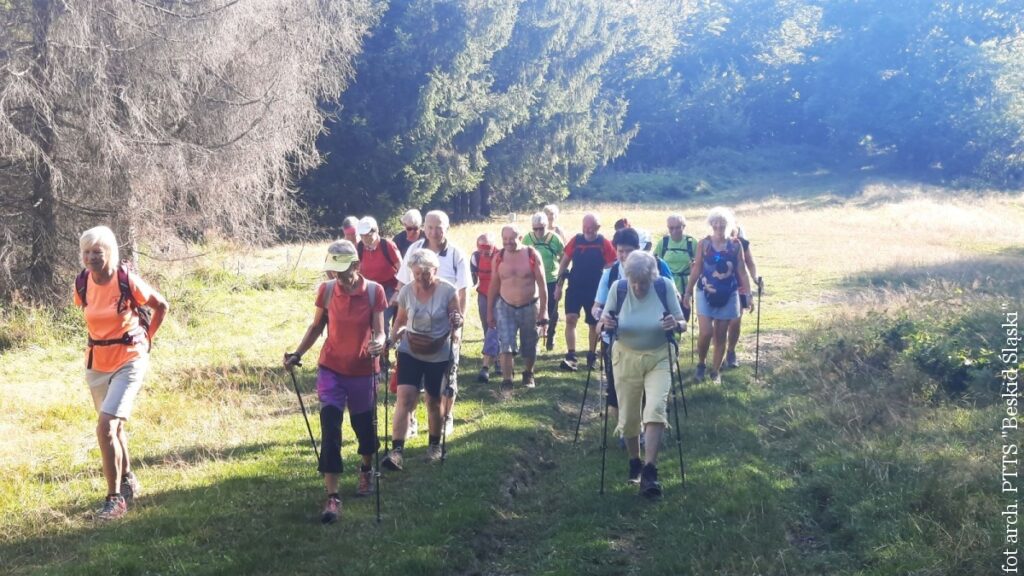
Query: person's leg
(629,389)
(110,451)
(331,418)
(570,334)
(720,328)
(433,382)
(552,316)
(507,344)
(704,339)
(527,321)
(481,307)
(122,439)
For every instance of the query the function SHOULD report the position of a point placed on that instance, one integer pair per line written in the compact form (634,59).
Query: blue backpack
(718,276)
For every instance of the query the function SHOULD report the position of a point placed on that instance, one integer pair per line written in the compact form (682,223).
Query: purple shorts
(336,390)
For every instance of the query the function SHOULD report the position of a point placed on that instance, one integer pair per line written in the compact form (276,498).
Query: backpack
(718,277)
(613,272)
(125,301)
(384,246)
(665,248)
(546,244)
(371,291)
(532,253)
(659,288)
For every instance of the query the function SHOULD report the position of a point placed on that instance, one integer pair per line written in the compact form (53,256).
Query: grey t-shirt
(640,319)
(429,318)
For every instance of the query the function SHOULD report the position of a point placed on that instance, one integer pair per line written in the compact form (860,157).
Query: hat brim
(340,262)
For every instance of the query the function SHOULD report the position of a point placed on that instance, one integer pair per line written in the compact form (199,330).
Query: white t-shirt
(454,265)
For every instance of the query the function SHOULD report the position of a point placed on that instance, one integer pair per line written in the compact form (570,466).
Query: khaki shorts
(114,392)
(639,373)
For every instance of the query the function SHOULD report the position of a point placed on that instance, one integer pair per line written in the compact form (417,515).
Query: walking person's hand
(291,360)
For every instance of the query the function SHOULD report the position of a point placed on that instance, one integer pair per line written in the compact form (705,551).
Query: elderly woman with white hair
(638,314)
(122,314)
(412,220)
(551,248)
(551,211)
(719,268)
(429,314)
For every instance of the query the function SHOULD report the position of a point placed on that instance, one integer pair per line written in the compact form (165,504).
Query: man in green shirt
(678,251)
(550,247)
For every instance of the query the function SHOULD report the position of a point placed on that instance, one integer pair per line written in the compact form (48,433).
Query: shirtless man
(517,302)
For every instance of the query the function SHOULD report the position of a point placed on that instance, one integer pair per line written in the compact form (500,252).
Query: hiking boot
(716,378)
(332,509)
(649,485)
(449,424)
(433,453)
(701,369)
(569,364)
(484,376)
(365,485)
(393,460)
(591,360)
(414,426)
(130,487)
(528,380)
(114,508)
(730,360)
(635,466)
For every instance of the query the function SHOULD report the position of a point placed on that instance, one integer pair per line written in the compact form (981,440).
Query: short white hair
(441,216)
(539,219)
(424,257)
(551,210)
(640,266)
(488,238)
(412,218)
(722,214)
(104,238)
(349,222)
(677,217)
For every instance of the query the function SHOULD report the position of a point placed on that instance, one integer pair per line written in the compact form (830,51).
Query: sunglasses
(676,227)
(539,228)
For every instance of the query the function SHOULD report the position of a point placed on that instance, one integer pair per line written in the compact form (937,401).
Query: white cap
(366,225)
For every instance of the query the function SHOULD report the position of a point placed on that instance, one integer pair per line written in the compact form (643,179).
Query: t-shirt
(589,257)
(104,322)
(402,241)
(639,320)
(454,265)
(429,318)
(349,329)
(551,250)
(677,257)
(480,265)
(379,266)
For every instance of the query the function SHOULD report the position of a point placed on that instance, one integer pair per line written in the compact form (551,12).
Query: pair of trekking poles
(376,430)
(674,375)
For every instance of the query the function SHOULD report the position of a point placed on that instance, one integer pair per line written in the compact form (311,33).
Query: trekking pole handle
(297,357)
(760,285)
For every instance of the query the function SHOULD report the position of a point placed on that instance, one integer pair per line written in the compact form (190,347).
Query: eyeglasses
(539,228)
(411,228)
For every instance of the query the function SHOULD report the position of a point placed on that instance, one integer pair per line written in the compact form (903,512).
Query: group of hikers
(409,294)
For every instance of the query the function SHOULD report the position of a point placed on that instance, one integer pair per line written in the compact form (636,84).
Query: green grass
(852,455)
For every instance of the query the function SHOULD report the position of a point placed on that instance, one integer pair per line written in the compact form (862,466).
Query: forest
(176,121)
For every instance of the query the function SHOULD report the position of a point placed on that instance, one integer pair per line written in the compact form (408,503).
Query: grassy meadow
(869,445)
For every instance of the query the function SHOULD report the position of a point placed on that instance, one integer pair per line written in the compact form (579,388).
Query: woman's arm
(160,307)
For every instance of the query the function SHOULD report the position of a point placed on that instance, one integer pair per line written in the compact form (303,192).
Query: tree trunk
(45,252)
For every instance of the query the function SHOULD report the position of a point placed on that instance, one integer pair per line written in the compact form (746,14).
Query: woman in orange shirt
(120,336)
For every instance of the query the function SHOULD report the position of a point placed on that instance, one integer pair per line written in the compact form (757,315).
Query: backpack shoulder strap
(359,249)
(620,296)
(664,246)
(81,284)
(689,246)
(385,246)
(371,291)
(613,273)
(661,291)
(125,287)
(328,293)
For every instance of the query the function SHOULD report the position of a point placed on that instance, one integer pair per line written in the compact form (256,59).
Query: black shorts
(576,298)
(415,372)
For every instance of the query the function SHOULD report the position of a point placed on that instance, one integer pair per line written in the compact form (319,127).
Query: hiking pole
(604,433)
(448,392)
(671,344)
(376,432)
(295,383)
(757,331)
(579,418)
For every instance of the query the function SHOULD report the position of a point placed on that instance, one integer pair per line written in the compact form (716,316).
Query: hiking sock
(434,440)
(398,445)
(570,355)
